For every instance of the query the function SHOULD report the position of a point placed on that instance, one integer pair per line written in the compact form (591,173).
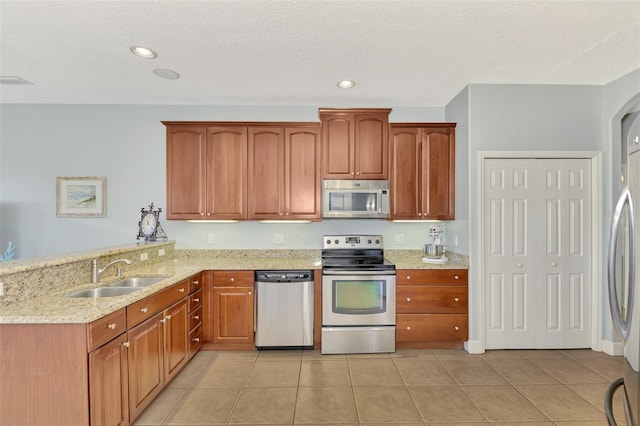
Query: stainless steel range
(358,295)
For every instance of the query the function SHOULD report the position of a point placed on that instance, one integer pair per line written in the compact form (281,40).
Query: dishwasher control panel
(284,276)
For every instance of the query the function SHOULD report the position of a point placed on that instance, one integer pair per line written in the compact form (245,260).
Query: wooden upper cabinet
(186,177)
(355,143)
(206,172)
(422,159)
(284,173)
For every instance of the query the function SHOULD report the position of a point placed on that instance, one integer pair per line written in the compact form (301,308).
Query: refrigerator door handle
(608,400)
(621,324)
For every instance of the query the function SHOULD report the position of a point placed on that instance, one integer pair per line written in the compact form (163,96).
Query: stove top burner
(357,252)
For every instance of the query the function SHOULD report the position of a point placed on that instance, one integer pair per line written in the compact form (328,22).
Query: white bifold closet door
(537,253)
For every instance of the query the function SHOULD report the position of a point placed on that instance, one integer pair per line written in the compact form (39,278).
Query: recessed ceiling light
(346,84)
(143,52)
(165,73)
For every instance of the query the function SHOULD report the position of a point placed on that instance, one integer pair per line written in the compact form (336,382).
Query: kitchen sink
(136,282)
(104,292)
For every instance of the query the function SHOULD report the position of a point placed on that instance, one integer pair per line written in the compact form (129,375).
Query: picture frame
(80,196)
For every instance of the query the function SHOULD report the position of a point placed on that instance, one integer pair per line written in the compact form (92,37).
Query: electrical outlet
(399,239)
(211,239)
(455,241)
(1,288)
(144,256)
(160,252)
(278,239)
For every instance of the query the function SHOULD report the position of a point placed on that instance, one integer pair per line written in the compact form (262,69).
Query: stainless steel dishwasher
(284,310)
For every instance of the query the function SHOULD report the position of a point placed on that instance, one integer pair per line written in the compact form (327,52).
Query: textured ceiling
(261,52)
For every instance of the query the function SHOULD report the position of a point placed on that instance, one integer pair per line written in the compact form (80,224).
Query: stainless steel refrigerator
(623,276)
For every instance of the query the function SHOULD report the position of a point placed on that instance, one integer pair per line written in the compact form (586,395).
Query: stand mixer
(435,251)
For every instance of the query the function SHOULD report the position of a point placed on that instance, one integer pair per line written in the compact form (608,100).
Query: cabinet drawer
(195,283)
(432,276)
(195,340)
(195,300)
(143,309)
(431,299)
(195,318)
(232,278)
(431,327)
(106,328)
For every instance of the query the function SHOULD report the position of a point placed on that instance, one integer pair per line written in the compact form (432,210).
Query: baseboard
(612,348)
(474,347)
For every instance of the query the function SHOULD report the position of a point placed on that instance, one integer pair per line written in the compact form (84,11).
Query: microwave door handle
(621,325)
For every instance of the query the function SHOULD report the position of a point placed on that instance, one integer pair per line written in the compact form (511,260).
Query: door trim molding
(479,344)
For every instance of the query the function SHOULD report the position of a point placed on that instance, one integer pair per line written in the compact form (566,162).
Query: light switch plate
(399,239)
(211,239)
(278,239)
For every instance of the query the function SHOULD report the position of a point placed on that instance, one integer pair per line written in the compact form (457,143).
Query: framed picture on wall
(80,196)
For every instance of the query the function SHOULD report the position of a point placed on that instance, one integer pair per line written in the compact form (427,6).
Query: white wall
(127,145)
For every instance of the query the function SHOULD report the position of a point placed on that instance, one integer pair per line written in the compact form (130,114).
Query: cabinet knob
(126,344)
(232,279)
(408,277)
(249,293)
(408,299)
(554,264)
(208,214)
(201,214)
(196,317)
(351,173)
(519,265)
(168,316)
(456,328)
(181,290)
(419,214)
(456,299)
(358,173)
(196,339)
(144,310)
(196,300)
(196,282)
(456,277)
(111,326)
(408,328)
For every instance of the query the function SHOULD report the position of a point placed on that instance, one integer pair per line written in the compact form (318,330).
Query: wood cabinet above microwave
(355,143)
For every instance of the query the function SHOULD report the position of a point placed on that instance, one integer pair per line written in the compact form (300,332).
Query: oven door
(358,298)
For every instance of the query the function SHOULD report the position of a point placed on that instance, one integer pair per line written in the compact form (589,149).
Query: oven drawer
(432,276)
(428,299)
(431,328)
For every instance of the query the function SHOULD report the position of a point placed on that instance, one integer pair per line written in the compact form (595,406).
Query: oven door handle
(358,272)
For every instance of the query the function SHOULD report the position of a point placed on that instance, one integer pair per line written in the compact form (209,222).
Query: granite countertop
(56,308)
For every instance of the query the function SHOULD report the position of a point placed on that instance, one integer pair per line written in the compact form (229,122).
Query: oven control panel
(352,241)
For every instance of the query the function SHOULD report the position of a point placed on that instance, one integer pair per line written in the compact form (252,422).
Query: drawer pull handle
(457,277)
(181,289)
(408,328)
(196,282)
(196,300)
(456,328)
(408,299)
(196,339)
(144,310)
(197,317)
(111,326)
(126,344)
(456,299)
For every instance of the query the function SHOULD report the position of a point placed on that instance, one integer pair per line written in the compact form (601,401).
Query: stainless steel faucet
(97,273)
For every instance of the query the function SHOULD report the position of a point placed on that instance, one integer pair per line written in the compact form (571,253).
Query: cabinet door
(266,173)
(438,173)
(226,171)
(186,172)
(176,338)
(108,386)
(146,364)
(405,173)
(233,310)
(338,145)
(302,173)
(372,145)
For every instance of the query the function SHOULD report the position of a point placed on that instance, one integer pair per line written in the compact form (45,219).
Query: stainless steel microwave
(355,199)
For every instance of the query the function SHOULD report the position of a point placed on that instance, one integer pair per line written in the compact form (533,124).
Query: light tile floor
(409,387)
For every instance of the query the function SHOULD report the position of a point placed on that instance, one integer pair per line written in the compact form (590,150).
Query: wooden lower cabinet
(227,310)
(108,384)
(431,308)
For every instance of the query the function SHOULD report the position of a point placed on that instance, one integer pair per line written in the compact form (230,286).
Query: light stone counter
(412,259)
